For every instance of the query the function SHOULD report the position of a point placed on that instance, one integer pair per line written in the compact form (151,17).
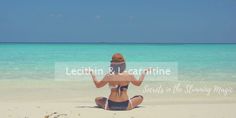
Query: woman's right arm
(101,83)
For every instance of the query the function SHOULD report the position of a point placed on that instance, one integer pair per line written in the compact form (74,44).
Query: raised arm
(138,82)
(97,83)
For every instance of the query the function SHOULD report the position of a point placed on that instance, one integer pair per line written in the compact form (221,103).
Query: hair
(117,63)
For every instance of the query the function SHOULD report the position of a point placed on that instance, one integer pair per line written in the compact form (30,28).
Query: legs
(101,102)
(136,100)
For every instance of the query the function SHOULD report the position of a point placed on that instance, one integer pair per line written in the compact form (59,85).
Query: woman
(118,81)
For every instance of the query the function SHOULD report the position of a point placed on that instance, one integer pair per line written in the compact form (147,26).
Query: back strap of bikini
(131,103)
(106,104)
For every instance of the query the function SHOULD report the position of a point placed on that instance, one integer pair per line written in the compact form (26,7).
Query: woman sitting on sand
(118,81)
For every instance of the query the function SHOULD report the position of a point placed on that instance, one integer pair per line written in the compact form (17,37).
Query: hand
(91,73)
(148,70)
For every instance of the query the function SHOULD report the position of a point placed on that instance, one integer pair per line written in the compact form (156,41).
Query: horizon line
(110,43)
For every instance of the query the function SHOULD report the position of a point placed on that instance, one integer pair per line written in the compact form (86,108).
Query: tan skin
(121,79)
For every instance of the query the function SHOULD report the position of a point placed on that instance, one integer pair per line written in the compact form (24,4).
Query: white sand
(76,110)
(37,99)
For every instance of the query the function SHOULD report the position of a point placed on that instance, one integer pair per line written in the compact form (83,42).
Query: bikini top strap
(131,103)
(106,104)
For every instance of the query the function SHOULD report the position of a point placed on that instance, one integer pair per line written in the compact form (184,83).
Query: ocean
(208,62)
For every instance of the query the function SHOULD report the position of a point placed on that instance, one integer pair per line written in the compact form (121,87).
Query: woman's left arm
(101,83)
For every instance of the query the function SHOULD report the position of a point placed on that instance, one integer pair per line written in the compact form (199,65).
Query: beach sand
(50,99)
(76,110)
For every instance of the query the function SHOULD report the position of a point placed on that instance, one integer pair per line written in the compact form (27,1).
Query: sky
(139,21)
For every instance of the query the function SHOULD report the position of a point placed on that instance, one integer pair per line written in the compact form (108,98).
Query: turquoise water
(195,61)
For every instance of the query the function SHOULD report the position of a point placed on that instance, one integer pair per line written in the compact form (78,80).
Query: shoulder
(128,74)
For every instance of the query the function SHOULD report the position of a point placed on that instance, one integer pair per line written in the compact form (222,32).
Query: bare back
(121,79)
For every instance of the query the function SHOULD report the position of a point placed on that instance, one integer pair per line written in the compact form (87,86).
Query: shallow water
(195,61)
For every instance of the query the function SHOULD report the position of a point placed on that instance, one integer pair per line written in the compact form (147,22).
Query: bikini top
(119,88)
